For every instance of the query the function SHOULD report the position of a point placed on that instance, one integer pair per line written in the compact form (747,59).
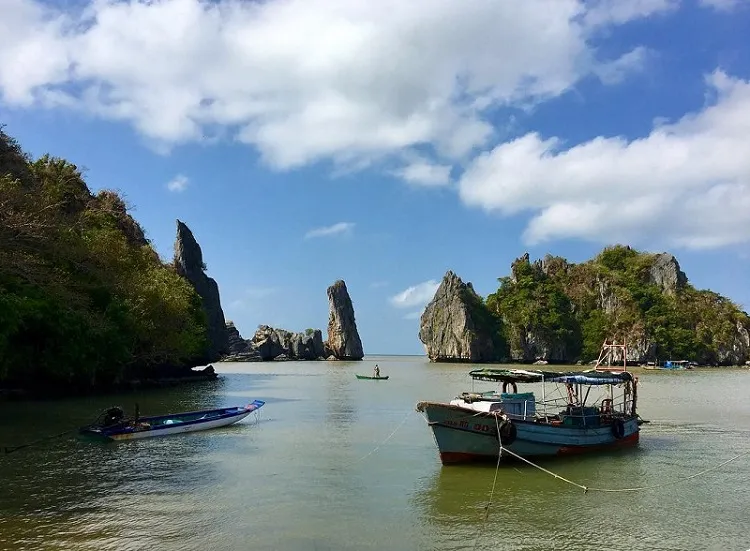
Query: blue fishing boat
(566,420)
(671,365)
(112,424)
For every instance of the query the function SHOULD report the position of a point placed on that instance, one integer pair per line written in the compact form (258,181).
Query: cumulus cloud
(416,295)
(303,80)
(603,12)
(424,173)
(178,184)
(327,231)
(687,182)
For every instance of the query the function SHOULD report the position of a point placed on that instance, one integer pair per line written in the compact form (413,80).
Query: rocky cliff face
(454,328)
(269,343)
(666,274)
(343,338)
(188,261)
(273,344)
(557,311)
(239,349)
(737,350)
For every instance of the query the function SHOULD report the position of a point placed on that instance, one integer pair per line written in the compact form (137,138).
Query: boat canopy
(589,377)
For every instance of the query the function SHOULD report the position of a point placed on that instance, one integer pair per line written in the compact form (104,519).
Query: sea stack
(456,325)
(188,261)
(343,339)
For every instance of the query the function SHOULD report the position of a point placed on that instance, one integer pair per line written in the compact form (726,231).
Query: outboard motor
(113,416)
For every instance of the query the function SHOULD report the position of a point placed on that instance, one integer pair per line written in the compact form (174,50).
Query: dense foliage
(563,311)
(483,317)
(84,298)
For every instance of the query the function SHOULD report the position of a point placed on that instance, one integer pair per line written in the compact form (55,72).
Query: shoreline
(45,393)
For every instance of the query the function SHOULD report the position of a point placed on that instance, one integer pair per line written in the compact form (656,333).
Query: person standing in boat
(377,371)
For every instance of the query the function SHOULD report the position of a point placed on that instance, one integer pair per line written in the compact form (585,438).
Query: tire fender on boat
(512,385)
(618,428)
(508,433)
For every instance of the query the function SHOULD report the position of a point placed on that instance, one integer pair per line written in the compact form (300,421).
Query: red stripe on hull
(631,440)
(453,458)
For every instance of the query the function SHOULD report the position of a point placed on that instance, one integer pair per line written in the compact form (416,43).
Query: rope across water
(594,489)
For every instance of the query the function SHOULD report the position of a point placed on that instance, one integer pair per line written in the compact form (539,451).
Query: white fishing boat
(112,424)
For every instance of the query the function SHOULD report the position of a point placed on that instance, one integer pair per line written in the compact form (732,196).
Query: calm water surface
(317,471)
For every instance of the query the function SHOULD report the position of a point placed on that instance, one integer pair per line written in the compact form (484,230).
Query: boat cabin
(569,402)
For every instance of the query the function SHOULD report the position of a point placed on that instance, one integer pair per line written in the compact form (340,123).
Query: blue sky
(309,141)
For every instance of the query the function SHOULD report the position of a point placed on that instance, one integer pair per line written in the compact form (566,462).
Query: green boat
(374,378)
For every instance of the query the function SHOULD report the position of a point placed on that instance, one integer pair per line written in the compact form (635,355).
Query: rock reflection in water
(340,410)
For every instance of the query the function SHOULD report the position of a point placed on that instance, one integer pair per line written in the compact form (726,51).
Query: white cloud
(326,231)
(618,70)
(416,295)
(724,5)
(425,173)
(603,12)
(178,184)
(688,182)
(301,80)
(413,315)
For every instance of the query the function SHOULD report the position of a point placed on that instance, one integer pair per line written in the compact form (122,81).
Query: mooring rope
(376,448)
(612,490)
(494,482)
(11,449)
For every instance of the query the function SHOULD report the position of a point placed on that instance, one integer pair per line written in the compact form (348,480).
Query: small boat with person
(375,375)
(113,425)
(566,420)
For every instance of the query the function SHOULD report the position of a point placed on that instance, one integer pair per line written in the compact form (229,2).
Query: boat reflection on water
(112,490)
(530,509)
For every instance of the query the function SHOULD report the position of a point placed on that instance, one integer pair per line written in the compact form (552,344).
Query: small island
(87,305)
(269,343)
(551,310)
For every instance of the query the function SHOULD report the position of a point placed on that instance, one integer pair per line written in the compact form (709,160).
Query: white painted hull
(179,428)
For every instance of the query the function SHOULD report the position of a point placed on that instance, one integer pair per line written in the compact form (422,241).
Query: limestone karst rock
(666,273)
(343,338)
(456,326)
(272,343)
(188,261)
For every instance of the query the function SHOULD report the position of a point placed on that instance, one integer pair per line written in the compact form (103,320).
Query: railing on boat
(571,403)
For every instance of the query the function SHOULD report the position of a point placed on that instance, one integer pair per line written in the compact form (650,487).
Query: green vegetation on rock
(85,301)
(563,312)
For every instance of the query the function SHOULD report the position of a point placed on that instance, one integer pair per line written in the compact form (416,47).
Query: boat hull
(181,423)
(463,435)
(384,378)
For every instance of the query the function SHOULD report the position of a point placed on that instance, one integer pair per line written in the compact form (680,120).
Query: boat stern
(94,434)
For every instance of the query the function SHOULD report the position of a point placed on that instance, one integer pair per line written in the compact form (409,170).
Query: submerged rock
(456,326)
(188,261)
(343,338)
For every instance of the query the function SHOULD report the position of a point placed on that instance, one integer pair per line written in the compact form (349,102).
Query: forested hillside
(85,301)
(557,310)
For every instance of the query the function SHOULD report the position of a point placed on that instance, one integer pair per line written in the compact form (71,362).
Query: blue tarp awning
(590,377)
